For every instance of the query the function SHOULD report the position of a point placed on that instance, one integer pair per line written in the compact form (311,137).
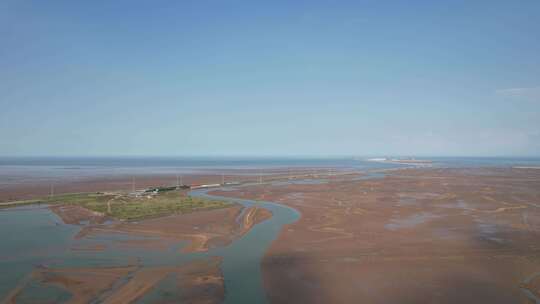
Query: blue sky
(270,78)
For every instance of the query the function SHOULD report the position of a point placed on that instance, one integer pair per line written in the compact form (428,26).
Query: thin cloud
(532,93)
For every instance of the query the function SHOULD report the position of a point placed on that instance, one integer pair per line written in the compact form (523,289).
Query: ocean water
(17,170)
(504,162)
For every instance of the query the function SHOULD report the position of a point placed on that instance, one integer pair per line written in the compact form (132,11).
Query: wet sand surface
(200,229)
(199,282)
(72,214)
(414,236)
(83,283)
(38,188)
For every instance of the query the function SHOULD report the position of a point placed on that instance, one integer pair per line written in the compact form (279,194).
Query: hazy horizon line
(266,156)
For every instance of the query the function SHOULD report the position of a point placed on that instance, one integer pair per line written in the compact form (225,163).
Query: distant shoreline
(402,161)
(526,167)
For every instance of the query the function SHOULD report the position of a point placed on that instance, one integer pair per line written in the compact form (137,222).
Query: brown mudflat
(72,214)
(415,236)
(42,188)
(199,282)
(201,229)
(37,189)
(84,284)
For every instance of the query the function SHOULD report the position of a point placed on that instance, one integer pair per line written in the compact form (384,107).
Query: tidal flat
(75,248)
(409,235)
(429,235)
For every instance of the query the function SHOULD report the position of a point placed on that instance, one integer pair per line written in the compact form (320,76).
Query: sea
(16,170)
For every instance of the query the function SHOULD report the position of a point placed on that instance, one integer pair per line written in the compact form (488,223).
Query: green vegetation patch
(130,207)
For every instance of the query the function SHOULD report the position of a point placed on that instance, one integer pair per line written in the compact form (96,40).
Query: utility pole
(133,184)
(223,178)
(51,193)
(177,182)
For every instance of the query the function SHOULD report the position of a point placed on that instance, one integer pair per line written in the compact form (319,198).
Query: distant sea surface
(32,169)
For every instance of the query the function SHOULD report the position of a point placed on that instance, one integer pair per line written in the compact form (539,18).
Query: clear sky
(129,77)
